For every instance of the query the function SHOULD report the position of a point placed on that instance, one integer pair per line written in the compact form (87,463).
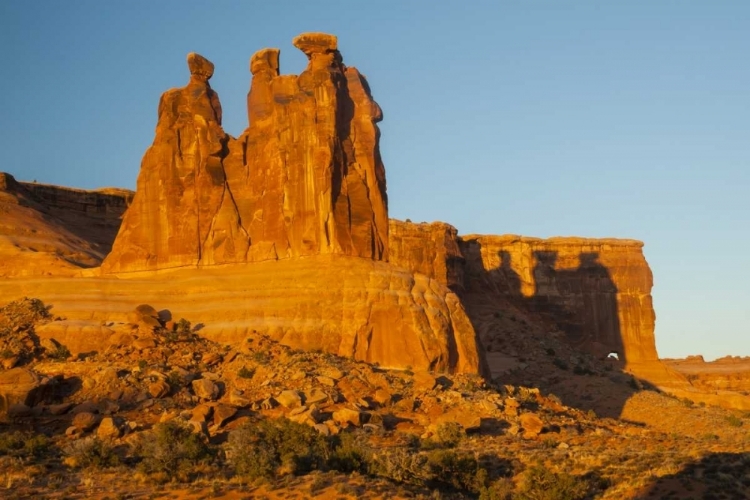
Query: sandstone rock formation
(305,178)
(598,291)
(366,310)
(429,249)
(53,230)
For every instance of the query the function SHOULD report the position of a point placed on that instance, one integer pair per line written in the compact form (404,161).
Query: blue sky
(543,118)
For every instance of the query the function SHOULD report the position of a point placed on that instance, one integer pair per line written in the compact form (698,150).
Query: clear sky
(543,118)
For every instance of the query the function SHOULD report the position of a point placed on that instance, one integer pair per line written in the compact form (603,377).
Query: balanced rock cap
(200,66)
(316,43)
(265,59)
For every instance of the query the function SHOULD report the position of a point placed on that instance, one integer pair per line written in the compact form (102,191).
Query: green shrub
(458,470)
(351,453)
(173,449)
(734,421)
(540,483)
(502,489)
(447,435)
(90,452)
(61,353)
(23,444)
(244,372)
(275,447)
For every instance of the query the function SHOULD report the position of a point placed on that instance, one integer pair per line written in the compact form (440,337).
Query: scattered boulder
(206,389)
(424,381)
(222,413)
(21,385)
(289,399)
(531,424)
(159,389)
(348,416)
(85,421)
(109,429)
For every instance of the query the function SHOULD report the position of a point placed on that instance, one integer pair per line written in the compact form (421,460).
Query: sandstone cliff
(54,230)
(598,291)
(366,310)
(305,178)
(429,249)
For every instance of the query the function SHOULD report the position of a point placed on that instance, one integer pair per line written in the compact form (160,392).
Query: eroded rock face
(53,230)
(183,212)
(598,291)
(356,308)
(429,249)
(305,178)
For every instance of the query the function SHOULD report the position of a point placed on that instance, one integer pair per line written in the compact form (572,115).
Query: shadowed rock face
(54,230)
(305,178)
(597,291)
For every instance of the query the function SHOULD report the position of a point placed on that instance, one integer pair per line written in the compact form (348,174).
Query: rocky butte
(284,231)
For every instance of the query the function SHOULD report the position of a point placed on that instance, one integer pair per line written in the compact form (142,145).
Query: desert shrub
(173,449)
(540,483)
(734,421)
(21,314)
(276,447)
(501,489)
(90,452)
(560,364)
(23,444)
(244,372)
(401,465)
(458,470)
(61,353)
(183,326)
(447,435)
(351,453)
(174,379)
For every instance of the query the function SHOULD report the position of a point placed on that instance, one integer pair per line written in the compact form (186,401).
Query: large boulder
(21,386)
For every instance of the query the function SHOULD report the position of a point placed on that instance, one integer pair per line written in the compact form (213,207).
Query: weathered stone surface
(531,425)
(206,389)
(598,291)
(85,421)
(20,386)
(52,230)
(158,389)
(306,177)
(351,307)
(348,416)
(109,428)
(289,399)
(429,249)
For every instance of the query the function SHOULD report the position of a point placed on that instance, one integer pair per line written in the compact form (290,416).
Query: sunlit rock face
(302,189)
(305,178)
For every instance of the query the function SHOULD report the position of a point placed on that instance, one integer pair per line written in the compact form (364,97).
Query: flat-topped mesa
(307,174)
(305,178)
(598,291)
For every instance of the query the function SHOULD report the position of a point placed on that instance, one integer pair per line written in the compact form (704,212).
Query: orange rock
(305,178)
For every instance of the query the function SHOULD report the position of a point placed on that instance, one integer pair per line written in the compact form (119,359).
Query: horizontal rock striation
(358,308)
